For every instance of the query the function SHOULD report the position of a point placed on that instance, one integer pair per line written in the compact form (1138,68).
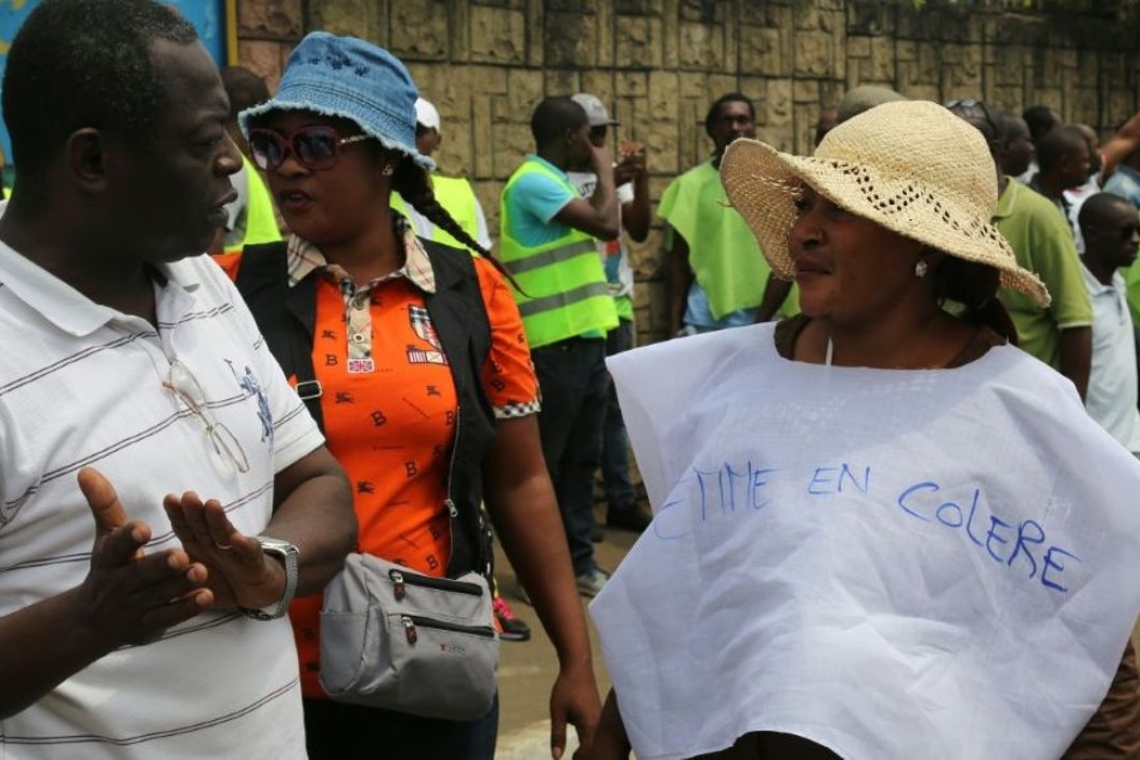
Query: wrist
(282,563)
(274,588)
(575,660)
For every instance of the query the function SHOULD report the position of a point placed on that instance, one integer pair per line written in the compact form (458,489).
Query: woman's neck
(925,340)
(375,252)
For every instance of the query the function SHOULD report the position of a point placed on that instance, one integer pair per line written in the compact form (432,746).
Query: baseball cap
(426,114)
(594,108)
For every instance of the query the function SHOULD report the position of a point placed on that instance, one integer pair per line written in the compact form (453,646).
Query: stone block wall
(659,63)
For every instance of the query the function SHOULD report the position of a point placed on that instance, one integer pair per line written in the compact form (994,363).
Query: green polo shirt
(1040,237)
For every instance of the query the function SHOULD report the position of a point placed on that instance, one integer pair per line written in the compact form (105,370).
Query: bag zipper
(411,621)
(400,579)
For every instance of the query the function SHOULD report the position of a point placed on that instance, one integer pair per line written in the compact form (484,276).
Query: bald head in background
(1064,157)
(864,98)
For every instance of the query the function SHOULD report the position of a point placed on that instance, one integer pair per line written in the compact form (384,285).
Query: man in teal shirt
(546,241)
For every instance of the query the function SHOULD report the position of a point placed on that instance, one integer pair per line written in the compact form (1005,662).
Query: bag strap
(286,316)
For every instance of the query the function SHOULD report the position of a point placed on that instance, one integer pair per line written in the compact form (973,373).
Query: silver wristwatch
(286,554)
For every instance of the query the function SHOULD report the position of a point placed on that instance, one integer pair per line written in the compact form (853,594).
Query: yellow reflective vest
(260,217)
(562,286)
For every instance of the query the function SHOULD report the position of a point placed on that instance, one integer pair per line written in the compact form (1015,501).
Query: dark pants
(573,379)
(615,442)
(336,731)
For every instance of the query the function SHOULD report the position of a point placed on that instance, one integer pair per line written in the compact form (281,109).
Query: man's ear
(86,153)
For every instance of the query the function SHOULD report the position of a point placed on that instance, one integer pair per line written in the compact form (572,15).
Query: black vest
(286,317)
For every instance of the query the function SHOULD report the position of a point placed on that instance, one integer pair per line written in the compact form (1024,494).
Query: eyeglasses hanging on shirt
(226,452)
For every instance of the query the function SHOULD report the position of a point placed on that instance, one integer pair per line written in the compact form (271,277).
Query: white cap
(594,108)
(426,115)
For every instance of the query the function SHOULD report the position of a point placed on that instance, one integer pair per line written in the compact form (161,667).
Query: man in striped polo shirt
(141,608)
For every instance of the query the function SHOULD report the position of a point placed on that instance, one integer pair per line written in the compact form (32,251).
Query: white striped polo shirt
(81,384)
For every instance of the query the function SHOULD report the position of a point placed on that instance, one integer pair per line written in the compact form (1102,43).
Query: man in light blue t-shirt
(540,207)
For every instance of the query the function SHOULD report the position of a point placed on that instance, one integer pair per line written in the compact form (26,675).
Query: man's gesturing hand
(240,573)
(130,597)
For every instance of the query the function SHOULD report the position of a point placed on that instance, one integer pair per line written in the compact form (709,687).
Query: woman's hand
(574,699)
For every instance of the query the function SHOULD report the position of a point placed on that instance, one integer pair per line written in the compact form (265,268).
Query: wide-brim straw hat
(911,166)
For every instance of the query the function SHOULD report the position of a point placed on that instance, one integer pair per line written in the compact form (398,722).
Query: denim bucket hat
(352,79)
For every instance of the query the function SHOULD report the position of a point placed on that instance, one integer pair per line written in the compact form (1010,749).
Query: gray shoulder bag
(412,643)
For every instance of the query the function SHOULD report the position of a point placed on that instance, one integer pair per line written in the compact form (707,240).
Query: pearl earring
(921,268)
(388,170)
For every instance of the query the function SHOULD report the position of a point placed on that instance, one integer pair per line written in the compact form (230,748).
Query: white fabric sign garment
(894,564)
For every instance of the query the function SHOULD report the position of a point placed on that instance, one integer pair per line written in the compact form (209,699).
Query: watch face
(277,546)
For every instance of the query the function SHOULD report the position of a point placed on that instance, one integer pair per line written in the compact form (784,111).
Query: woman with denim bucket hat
(411,354)
(883,531)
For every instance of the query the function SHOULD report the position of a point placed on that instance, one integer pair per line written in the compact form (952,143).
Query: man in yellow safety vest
(547,241)
(455,194)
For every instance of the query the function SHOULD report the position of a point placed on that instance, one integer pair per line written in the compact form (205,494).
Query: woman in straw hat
(880,530)
(413,356)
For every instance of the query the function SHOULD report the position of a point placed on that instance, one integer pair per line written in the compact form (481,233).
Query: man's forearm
(1076,357)
(775,293)
(680,279)
(635,214)
(315,515)
(1118,147)
(42,645)
(604,200)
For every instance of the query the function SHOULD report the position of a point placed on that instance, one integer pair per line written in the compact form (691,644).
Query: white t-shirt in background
(619,274)
(1111,398)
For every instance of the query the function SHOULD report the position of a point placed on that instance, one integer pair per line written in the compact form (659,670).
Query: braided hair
(412,182)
